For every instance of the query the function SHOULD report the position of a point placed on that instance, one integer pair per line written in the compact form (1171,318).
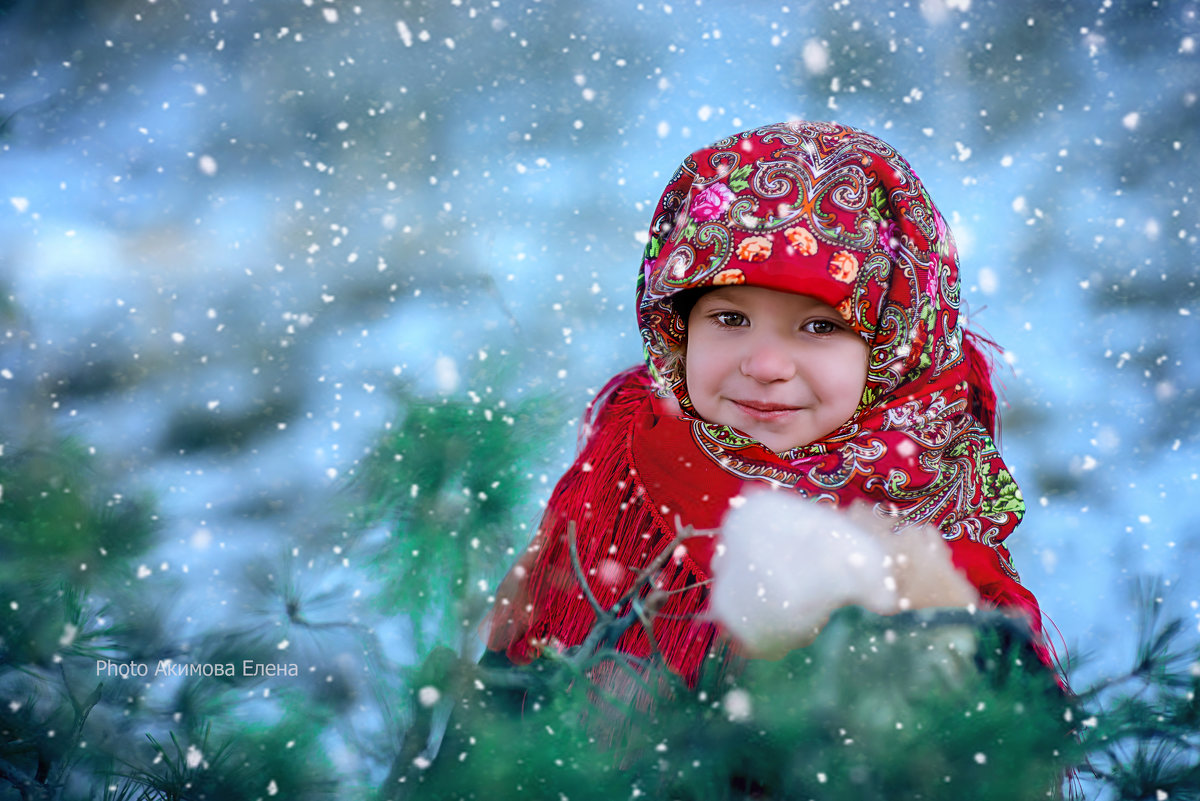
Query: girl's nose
(768,360)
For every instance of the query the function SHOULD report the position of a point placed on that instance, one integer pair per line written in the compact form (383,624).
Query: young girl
(799,307)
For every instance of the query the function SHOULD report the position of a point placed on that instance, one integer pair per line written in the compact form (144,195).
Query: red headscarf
(817,209)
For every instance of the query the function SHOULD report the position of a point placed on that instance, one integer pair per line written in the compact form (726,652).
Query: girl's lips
(764,411)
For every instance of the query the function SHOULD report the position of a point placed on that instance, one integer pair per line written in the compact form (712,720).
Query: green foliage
(74,595)
(70,599)
(1142,729)
(54,515)
(181,769)
(935,704)
(449,485)
(938,704)
(66,540)
(877,708)
(256,762)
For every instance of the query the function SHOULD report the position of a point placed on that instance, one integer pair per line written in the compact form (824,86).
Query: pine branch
(29,788)
(81,710)
(573,547)
(609,625)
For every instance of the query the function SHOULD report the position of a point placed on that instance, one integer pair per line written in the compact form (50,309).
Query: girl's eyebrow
(716,297)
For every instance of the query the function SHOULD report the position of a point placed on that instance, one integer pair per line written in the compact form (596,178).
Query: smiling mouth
(764,411)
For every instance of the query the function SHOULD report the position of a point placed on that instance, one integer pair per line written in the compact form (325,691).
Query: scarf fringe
(980,353)
(618,534)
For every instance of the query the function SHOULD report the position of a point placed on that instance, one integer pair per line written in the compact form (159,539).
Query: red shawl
(822,210)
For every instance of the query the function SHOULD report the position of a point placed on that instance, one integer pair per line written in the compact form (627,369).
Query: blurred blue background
(229,230)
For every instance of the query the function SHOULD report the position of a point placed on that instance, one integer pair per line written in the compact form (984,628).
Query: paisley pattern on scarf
(836,213)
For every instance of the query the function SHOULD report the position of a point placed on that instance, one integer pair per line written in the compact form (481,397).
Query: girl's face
(784,368)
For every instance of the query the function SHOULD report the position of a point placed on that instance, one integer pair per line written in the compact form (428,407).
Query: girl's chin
(780,442)
(782,446)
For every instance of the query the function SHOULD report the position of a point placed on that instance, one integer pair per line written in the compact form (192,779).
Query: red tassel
(981,395)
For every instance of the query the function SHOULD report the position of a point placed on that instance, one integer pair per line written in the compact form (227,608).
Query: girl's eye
(731,319)
(822,327)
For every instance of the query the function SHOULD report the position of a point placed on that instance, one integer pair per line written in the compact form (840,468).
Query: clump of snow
(428,695)
(815,56)
(445,374)
(405,34)
(739,706)
(988,281)
(785,564)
